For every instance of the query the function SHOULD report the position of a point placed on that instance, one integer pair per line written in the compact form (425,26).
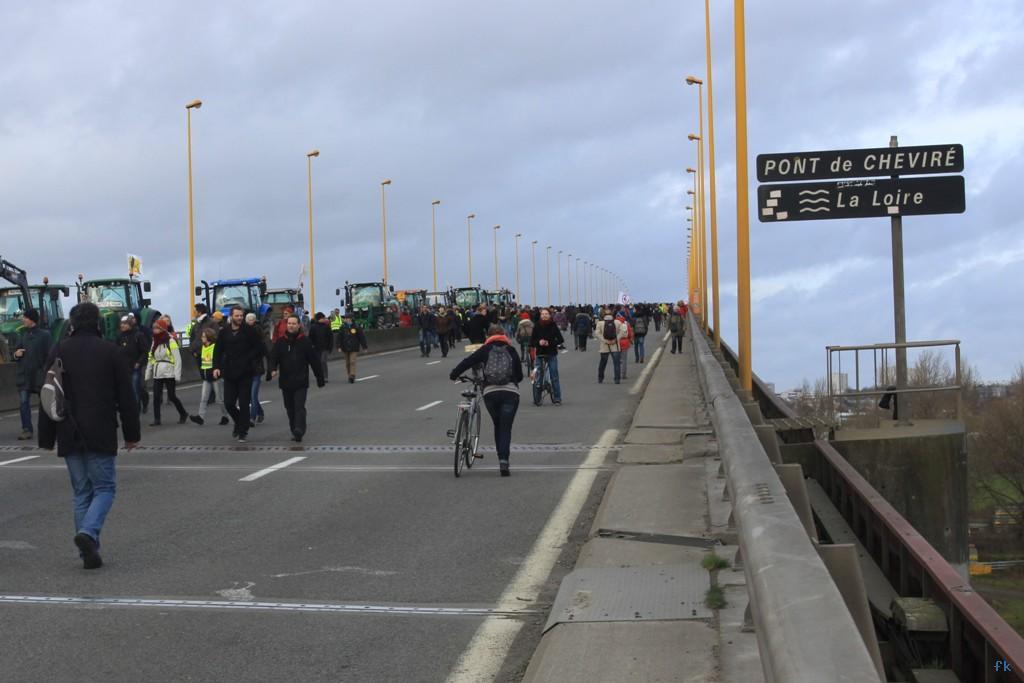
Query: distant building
(987,392)
(840,382)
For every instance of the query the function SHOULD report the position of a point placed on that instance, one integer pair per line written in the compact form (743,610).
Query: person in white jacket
(610,331)
(165,369)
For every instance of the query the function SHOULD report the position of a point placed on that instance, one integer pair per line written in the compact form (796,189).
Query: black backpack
(498,368)
(609,333)
(640,326)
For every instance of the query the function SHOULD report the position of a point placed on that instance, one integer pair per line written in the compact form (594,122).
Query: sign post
(871,195)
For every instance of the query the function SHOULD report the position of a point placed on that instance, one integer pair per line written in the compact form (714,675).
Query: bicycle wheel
(473,439)
(461,442)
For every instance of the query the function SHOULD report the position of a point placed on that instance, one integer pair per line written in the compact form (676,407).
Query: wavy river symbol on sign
(814,197)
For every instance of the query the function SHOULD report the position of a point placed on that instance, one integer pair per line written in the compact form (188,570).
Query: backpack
(609,333)
(498,368)
(640,328)
(524,332)
(52,399)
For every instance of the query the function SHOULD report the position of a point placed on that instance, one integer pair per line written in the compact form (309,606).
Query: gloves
(320,383)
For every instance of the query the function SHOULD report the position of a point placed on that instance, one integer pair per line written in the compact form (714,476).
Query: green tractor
(116,297)
(372,304)
(279,299)
(45,298)
(500,297)
(468,297)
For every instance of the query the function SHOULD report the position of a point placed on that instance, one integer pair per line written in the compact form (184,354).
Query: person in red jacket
(281,328)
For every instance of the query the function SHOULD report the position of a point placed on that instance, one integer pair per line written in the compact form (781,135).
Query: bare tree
(999,449)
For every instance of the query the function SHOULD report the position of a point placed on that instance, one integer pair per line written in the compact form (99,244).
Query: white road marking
(433,362)
(363,379)
(430,405)
(348,608)
(273,468)
(323,468)
(11,462)
(638,385)
(263,403)
(483,658)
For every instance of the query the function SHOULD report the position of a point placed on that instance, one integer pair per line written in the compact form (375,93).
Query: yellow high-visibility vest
(171,345)
(206,357)
(335,324)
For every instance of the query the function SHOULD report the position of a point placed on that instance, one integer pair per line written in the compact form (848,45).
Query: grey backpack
(52,399)
(498,368)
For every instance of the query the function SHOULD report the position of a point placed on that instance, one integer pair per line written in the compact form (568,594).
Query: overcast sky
(565,121)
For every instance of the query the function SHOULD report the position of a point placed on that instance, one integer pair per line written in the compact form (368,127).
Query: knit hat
(32,314)
(218,316)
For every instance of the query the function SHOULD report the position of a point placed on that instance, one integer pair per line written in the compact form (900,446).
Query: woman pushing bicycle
(546,340)
(502,373)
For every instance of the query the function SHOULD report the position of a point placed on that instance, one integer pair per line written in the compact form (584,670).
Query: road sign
(860,198)
(860,163)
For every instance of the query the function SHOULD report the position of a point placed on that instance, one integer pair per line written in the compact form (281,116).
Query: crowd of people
(107,385)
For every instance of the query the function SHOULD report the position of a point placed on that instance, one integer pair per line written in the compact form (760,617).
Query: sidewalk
(635,607)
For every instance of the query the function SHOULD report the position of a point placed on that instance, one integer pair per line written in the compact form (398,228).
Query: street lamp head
(497,227)
(691,192)
(519,234)
(690,170)
(194,104)
(693,138)
(693,80)
(435,202)
(533,242)
(690,208)
(472,215)
(385,182)
(314,153)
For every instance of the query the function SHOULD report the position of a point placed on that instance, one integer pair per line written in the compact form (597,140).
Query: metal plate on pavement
(662,593)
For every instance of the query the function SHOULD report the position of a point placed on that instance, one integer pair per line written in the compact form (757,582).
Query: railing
(882,375)
(978,636)
(804,630)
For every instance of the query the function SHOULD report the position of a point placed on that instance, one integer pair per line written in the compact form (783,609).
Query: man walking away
(502,373)
(524,334)
(133,349)
(239,347)
(352,340)
(291,359)
(677,327)
(582,328)
(625,342)
(321,337)
(639,336)
(30,355)
(164,369)
(256,413)
(610,332)
(98,392)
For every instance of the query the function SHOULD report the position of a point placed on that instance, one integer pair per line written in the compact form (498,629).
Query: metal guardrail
(978,636)
(881,375)
(804,630)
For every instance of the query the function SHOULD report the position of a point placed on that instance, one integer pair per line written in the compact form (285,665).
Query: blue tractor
(249,293)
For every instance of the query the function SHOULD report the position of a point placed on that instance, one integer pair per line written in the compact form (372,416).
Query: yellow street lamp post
(742,201)
(312,271)
(568,278)
(711,173)
(559,277)
(433,235)
(194,104)
(469,245)
(582,299)
(519,301)
(697,287)
(533,258)
(547,271)
(384,224)
(494,232)
(702,221)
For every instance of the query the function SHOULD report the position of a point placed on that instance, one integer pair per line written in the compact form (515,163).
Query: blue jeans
(502,406)
(25,404)
(138,388)
(426,341)
(638,348)
(255,409)
(94,482)
(556,388)
(604,363)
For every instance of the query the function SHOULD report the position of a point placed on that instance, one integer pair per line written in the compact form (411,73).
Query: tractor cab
(500,297)
(116,297)
(223,295)
(45,298)
(279,299)
(411,299)
(372,304)
(435,299)
(468,297)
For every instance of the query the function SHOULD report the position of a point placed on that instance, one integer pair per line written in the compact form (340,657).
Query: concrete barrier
(378,341)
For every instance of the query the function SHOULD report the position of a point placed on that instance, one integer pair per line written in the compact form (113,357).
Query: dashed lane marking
(323,468)
(330,448)
(363,379)
(433,362)
(273,468)
(430,405)
(253,605)
(11,462)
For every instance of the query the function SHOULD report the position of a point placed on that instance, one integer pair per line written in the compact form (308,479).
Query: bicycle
(466,435)
(545,387)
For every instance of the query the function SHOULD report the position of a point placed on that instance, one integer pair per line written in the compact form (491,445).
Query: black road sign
(860,199)
(860,163)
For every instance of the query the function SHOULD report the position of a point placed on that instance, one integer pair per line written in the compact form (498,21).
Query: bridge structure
(671,527)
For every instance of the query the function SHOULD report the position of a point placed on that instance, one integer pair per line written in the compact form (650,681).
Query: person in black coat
(133,348)
(291,359)
(30,355)
(351,340)
(321,338)
(98,391)
(239,349)
(427,322)
(476,326)
(546,339)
